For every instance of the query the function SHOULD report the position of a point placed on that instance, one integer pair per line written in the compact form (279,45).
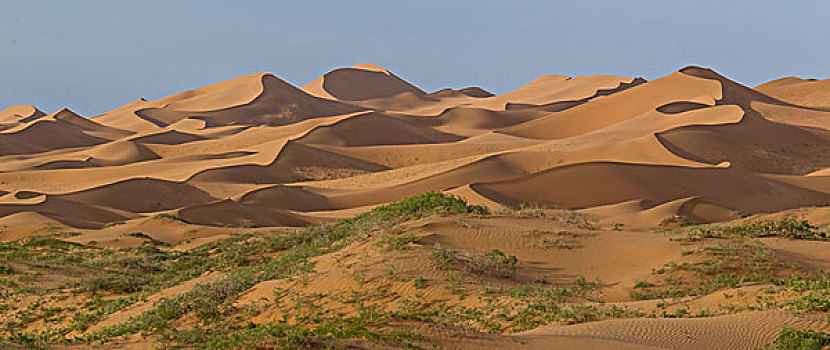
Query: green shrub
(788,227)
(572,219)
(418,282)
(811,302)
(674,221)
(443,257)
(497,257)
(173,217)
(794,339)
(419,206)
(49,242)
(144,236)
(495,263)
(393,242)
(643,284)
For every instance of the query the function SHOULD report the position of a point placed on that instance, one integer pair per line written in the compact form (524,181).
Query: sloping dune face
(803,92)
(250,100)
(19,114)
(258,151)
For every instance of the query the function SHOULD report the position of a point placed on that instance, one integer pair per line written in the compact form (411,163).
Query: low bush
(795,339)
(789,227)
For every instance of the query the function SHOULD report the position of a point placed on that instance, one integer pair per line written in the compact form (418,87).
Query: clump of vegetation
(393,242)
(563,217)
(643,284)
(561,240)
(525,210)
(115,223)
(67,234)
(571,218)
(146,237)
(6,270)
(674,221)
(817,280)
(788,227)
(172,217)
(795,339)
(418,282)
(494,263)
(49,243)
(726,265)
(419,206)
(443,257)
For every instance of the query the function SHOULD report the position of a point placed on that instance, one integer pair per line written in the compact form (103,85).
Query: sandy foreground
(599,190)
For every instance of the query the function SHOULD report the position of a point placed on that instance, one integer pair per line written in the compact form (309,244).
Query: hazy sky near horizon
(93,56)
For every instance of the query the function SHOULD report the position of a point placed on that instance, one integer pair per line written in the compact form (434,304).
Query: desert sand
(628,156)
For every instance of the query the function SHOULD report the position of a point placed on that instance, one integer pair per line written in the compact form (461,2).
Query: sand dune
(746,331)
(804,92)
(56,131)
(73,214)
(472,91)
(13,115)
(252,99)
(375,129)
(473,121)
(128,195)
(693,142)
(735,143)
(359,83)
(795,115)
(593,184)
(621,106)
(295,162)
(228,212)
(558,88)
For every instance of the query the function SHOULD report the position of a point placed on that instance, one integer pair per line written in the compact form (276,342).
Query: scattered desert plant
(392,241)
(443,257)
(115,223)
(172,217)
(6,270)
(418,282)
(674,221)
(574,219)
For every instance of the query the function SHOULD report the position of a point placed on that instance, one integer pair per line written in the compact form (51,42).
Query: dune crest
(361,82)
(19,114)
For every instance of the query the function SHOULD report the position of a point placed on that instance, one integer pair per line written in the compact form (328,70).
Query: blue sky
(93,56)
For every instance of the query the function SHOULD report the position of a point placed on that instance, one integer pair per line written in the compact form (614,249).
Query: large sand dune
(576,142)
